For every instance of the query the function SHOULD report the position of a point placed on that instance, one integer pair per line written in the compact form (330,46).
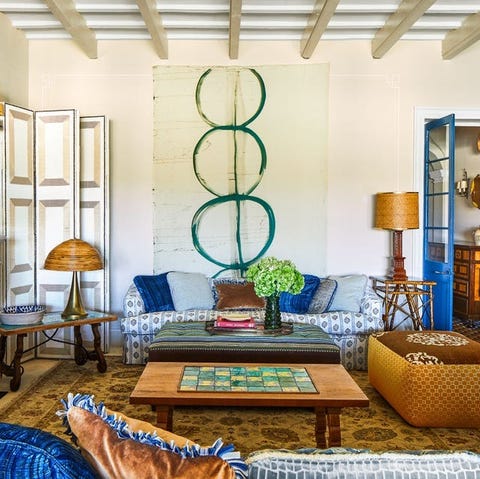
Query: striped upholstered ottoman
(431,378)
(190,341)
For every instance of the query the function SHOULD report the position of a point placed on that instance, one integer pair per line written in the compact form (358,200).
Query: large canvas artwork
(239,165)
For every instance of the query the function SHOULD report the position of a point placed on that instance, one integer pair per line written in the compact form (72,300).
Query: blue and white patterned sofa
(349,330)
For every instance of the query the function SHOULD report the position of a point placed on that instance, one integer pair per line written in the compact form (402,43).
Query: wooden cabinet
(466,282)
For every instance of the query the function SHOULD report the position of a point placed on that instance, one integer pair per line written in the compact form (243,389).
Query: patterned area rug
(471,329)
(378,427)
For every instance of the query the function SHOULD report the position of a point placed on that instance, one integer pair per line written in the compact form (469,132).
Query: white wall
(371,137)
(13,64)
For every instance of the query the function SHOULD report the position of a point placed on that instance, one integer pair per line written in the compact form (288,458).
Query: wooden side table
(413,298)
(53,321)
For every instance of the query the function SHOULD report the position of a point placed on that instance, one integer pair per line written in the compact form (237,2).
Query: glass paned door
(438,231)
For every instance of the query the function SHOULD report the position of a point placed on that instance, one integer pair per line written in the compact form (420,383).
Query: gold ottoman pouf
(431,378)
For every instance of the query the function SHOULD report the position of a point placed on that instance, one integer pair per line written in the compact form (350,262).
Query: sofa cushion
(27,452)
(362,464)
(349,293)
(118,452)
(299,303)
(155,292)
(238,296)
(323,297)
(190,291)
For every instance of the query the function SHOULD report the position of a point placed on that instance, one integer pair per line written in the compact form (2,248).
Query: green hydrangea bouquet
(270,277)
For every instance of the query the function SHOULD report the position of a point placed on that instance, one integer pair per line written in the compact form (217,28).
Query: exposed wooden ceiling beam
(316,25)
(409,11)
(66,13)
(456,41)
(234,30)
(153,21)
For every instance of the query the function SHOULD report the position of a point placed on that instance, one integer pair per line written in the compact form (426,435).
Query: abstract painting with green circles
(239,166)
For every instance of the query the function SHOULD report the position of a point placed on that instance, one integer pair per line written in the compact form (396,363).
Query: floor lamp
(397,211)
(74,255)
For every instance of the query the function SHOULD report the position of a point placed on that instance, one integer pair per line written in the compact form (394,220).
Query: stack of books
(235,322)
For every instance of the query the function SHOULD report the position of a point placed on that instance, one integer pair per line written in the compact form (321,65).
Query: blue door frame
(438,226)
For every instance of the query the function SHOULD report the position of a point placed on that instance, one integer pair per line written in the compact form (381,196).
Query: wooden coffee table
(159,383)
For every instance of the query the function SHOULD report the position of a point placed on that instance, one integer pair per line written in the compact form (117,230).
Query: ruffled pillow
(117,451)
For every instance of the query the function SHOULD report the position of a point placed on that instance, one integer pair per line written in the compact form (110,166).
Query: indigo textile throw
(155,292)
(299,303)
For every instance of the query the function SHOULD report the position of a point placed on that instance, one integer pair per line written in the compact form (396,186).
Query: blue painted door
(438,219)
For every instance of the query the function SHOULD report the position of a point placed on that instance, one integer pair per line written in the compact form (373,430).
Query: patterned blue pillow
(27,452)
(299,303)
(155,292)
(323,297)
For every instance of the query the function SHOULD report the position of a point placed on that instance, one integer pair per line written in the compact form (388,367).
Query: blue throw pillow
(299,303)
(27,452)
(323,297)
(155,292)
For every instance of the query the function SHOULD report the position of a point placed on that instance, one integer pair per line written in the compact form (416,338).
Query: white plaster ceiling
(455,23)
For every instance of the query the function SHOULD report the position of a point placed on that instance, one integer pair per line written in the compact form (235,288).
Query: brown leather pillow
(116,458)
(238,296)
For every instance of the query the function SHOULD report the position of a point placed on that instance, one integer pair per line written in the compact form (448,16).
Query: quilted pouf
(191,342)
(431,378)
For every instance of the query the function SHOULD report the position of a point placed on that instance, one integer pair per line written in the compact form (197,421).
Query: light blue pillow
(190,291)
(349,293)
(26,452)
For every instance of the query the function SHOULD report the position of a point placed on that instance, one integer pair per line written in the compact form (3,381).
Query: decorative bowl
(22,315)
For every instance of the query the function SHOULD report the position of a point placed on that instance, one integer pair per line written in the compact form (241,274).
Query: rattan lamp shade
(397,211)
(74,255)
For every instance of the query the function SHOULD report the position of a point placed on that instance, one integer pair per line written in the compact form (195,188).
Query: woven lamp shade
(74,255)
(397,211)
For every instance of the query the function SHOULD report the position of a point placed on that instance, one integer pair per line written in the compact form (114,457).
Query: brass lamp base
(74,308)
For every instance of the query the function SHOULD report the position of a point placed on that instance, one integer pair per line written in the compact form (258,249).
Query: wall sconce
(462,186)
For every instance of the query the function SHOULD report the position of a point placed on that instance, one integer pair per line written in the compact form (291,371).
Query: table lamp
(74,255)
(397,211)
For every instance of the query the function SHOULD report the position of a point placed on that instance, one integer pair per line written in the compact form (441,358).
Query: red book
(224,323)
